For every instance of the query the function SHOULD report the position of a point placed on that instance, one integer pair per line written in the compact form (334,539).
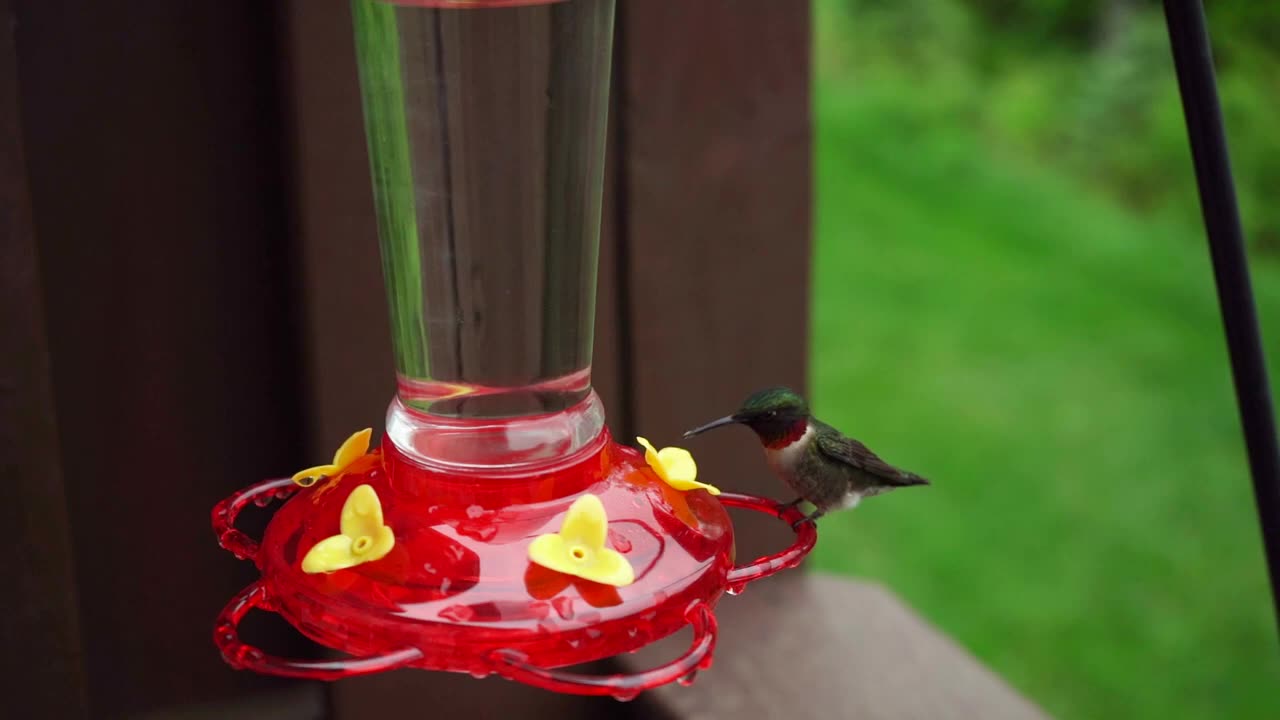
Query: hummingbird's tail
(907,479)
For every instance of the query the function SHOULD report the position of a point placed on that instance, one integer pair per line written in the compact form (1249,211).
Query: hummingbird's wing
(839,448)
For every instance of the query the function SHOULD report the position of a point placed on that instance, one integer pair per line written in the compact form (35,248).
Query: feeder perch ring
(512,666)
(242,656)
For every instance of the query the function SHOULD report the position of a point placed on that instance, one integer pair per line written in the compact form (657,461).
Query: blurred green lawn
(1056,364)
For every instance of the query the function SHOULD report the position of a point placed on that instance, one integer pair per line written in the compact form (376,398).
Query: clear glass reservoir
(486,125)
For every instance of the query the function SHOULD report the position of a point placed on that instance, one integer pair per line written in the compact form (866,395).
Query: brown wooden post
(715,162)
(39,623)
(151,142)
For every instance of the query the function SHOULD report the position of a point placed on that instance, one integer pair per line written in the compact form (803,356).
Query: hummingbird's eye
(773,413)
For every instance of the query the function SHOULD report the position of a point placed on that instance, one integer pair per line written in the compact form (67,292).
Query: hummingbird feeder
(498,528)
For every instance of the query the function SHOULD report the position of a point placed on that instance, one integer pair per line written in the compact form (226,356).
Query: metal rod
(1193,61)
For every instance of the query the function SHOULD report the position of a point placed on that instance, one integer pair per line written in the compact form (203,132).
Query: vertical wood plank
(40,623)
(716,154)
(152,145)
(349,375)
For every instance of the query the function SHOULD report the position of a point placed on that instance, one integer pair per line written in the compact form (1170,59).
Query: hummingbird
(822,465)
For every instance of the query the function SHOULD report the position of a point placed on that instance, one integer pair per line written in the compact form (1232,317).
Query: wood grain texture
(820,647)
(39,622)
(151,139)
(349,369)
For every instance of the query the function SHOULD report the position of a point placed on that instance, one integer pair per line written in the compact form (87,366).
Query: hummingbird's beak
(726,420)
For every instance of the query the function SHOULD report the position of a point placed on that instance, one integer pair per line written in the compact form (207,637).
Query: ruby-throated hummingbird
(825,468)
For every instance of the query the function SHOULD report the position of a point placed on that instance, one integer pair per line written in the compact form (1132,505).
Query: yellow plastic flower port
(676,467)
(353,449)
(579,548)
(364,537)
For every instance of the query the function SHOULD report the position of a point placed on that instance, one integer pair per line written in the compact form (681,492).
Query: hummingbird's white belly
(784,460)
(851,500)
(785,463)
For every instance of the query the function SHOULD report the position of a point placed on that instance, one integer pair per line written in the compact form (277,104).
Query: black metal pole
(1193,60)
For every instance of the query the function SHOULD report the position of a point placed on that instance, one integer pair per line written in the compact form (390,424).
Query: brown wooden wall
(193,301)
(152,145)
(39,620)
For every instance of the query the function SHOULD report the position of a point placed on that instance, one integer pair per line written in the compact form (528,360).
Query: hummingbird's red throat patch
(790,435)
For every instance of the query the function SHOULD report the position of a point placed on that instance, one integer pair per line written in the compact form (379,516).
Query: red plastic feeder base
(458,592)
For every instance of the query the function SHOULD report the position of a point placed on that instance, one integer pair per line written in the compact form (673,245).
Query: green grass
(1056,364)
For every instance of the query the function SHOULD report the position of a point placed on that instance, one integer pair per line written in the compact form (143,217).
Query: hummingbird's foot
(811,517)
(794,503)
